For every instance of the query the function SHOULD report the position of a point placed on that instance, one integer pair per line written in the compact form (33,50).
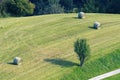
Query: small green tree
(82,49)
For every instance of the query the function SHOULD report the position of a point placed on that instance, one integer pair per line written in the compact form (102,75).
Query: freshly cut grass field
(45,44)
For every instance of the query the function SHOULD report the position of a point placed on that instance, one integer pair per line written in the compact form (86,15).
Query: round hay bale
(17,61)
(81,15)
(96,25)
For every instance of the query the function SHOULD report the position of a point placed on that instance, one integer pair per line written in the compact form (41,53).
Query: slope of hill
(45,44)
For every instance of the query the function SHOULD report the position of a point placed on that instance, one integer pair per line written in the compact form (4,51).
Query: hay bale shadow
(61,62)
(75,18)
(11,63)
(91,27)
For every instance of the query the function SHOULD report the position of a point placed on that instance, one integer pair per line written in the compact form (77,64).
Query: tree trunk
(81,61)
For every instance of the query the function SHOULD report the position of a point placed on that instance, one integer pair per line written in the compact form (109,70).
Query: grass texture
(45,45)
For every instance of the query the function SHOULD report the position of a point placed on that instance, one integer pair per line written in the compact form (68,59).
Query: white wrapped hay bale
(81,15)
(96,25)
(17,61)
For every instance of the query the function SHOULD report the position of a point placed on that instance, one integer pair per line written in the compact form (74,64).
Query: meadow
(46,46)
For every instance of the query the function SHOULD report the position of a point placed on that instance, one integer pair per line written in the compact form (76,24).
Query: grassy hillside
(45,43)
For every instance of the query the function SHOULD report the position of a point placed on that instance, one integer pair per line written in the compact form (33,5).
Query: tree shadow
(61,62)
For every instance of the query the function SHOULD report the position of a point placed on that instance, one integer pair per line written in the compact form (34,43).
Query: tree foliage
(3,9)
(102,6)
(82,49)
(20,7)
(53,7)
(67,4)
(90,6)
(114,6)
(38,7)
(47,7)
